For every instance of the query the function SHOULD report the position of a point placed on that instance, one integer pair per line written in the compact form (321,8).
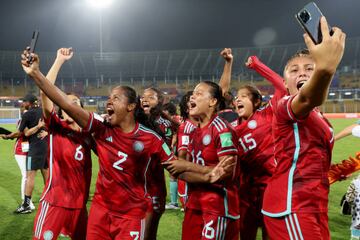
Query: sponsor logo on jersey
(252,124)
(226,140)
(48,235)
(138,146)
(109,139)
(206,139)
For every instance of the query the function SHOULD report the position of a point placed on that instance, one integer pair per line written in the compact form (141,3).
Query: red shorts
(251,217)
(198,225)
(104,225)
(298,226)
(182,192)
(50,220)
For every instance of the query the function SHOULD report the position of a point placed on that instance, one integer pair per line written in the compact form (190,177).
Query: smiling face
(117,106)
(297,72)
(201,102)
(244,103)
(149,100)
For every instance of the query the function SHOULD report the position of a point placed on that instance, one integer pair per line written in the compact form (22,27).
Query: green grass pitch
(20,226)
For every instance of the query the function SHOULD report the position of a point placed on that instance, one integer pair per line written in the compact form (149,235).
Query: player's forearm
(47,105)
(194,177)
(225,79)
(28,132)
(317,88)
(313,93)
(345,132)
(275,79)
(12,135)
(80,115)
(197,168)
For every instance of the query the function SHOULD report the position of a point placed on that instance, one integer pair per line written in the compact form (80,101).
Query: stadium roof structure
(167,66)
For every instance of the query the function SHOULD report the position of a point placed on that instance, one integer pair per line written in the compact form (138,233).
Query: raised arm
(225,79)
(327,56)
(77,113)
(63,54)
(275,79)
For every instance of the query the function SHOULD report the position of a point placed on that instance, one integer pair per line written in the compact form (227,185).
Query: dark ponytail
(183,105)
(216,92)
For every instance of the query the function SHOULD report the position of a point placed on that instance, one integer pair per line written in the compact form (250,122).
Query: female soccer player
(257,161)
(152,102)
(296,198)
(184,133)
(212,210)
(63,203)
(125,148)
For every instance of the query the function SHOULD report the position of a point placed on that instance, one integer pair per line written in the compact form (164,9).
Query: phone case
(309,19)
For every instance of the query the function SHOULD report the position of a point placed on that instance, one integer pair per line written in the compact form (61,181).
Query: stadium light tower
(100,5)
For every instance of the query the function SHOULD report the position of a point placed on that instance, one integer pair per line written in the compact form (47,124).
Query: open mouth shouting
(110,112)
(300,84)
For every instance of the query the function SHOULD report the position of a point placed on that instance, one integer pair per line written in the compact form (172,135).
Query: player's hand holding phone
(327,54)
(30,67)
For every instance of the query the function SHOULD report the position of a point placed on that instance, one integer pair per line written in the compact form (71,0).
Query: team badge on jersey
(48,235)
(206,139)
(252,124)
(138,146)
(185,140)
(109,139)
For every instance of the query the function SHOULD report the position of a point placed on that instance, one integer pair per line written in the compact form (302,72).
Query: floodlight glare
(99,3)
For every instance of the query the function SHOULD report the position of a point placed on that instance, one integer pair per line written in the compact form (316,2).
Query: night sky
(147,25)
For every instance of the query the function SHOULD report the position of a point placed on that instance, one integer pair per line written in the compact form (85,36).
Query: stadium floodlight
(7,101)
(91,100)
(347,93)
(99,3)
(20,101)
(332,94)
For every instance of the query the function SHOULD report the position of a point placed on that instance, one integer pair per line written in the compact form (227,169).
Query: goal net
(9,115)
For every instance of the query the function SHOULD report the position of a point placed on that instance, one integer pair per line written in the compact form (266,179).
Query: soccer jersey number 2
(123,157)
(247,142)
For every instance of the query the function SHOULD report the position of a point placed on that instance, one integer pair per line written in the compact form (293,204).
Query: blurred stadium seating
(175,72)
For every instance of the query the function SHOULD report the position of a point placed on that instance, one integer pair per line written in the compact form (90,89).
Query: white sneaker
(172,206)
(32,206)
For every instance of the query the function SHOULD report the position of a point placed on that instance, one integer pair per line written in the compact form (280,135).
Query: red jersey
(21,144)
(184,132)
(303,154)
(124,159)
(208,144)
(255,139)
(69,160)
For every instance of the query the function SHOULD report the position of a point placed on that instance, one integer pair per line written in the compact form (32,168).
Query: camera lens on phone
(305,16)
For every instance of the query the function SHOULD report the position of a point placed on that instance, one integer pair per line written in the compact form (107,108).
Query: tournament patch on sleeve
(226,140)
(185,140)
(166,149)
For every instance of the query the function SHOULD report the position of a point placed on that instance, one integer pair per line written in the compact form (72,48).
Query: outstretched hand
(30,67)
(227,54)
(64,54)
(224,168)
